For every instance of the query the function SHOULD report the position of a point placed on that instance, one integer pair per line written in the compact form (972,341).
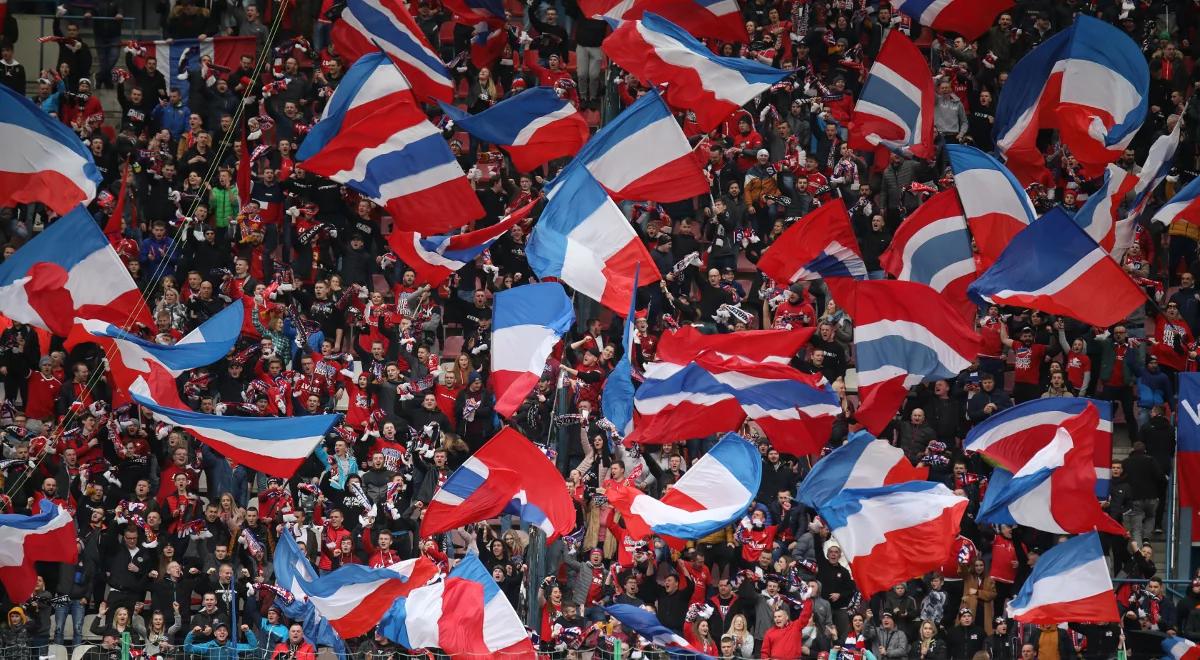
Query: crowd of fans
(175,539)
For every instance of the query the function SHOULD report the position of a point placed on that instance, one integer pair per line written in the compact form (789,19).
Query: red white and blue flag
(1159,161)
(895,109)
(714,492)
(43,159)
(646,624)
(435,258)
(1180,648)
(1184,206)
(863,462)
(894,533)
(819,245)
(698,81)
(905,333)
(509,474)
(354,597)
(1012,436)
(1070,582)
(1100,215)
(375,138)
(1088,82)
(643,154)
(1055,267)
(527,322)
(970,18)
(293,574)
(465,615)
(932,246)
(48,536)
(1188,448)
(616,398)
(366,26)
(687,343)
(583,239)
(1055,490)
(172,56)
(996,206)
(533,127)
(717,19)
(471,12)
(70,270)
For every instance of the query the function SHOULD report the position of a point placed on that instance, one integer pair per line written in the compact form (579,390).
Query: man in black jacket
(128,570)
(1145,481)
(673,599)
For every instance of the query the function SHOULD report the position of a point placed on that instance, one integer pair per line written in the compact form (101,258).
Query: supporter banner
(1187,457)
(226,53)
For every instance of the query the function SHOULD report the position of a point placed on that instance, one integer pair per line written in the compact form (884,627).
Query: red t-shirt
(1027,364)
(1004,560)
(1078,365)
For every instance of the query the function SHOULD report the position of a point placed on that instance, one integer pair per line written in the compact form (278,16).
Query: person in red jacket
(785,639)
(295,647)
(43,391)
(331,540)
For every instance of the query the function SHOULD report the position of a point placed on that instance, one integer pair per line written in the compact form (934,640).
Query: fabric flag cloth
(1055,490)
(905,332)
(223,52)
(1055,267)
(714,492)
(1070,582)
(583,239)
(276,446)
(465,615)
(354,597)
(527,322)
(646,624)
(970,18)
(1180,648)
(895,109)
(687,343)
(698,81)
(433,259)
(796,410)
(716,19)
(533,127)
(894,533)
(1088,82)
(1187,456)
(996,205)
(366,26)
(509,474)
(1183,207)
(470,12)
(1012,436)
(864,461)
(819,245)
(1100,215)
(375,138)
(616,398)
(933,246)
(70,270)
(1159,161)
(294,573)
(643,154)
(47,536)
(43,159)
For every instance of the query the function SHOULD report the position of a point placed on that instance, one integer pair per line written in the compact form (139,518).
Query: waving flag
(470,12)
(904,333)
(273,445)
(1054,490)
(1069,583)
(533,127)
(687,343)
(380,143)
(643,154)
(509,474)
(225,52)
(647,625)
(932,246)
(970,18)
(1100,214)
(718,19)
(863,462)
(1188,451)
(714,492)
(996,206)
(294,573)
(1055,267)
(1184,206)
(368,25)
(616,399)
(1159,161)
(435,258)
(894,533)
(43,160)
(711,86)
(1180,648)
(1012,436)
(354,597)
(1089,82)
(794,409)
(528,321)
(47,536)
(584,239)
(895,109)
(70,270)
(820,245)
(465,615)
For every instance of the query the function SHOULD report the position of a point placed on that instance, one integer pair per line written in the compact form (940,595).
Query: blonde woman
(158,636)
(928,646)
(743,639)
(121,625)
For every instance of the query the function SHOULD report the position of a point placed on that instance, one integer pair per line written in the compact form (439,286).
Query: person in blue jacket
(221,646)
